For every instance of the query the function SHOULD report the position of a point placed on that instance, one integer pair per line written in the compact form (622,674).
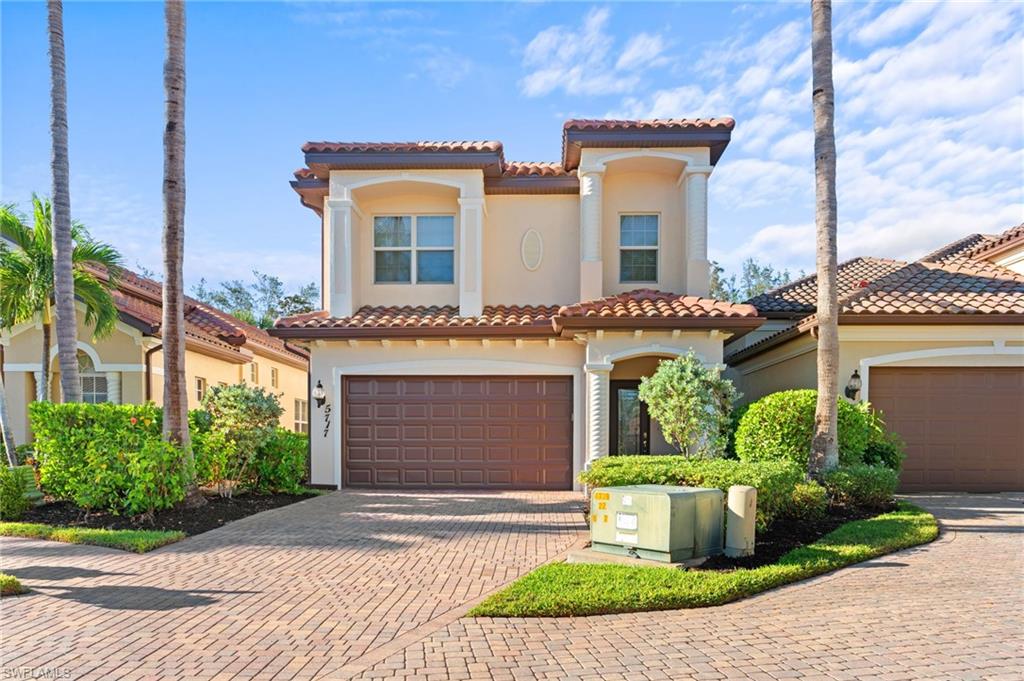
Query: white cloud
(893,21)
(444,66)
(579,60)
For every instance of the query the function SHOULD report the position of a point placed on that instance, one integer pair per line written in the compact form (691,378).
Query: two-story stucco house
(486,322)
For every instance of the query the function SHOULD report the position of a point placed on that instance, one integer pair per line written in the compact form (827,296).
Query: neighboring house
(486,322)
(938,346)
(127,366)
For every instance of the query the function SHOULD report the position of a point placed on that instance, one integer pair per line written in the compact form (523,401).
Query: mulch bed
(786,534)
(217,511)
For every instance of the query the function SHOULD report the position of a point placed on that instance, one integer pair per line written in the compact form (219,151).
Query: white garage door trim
(464,367)
(933,357)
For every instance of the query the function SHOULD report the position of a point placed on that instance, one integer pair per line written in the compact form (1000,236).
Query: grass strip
(564,589)
(136,541)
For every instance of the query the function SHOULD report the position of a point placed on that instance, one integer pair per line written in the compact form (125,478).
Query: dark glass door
(631,424)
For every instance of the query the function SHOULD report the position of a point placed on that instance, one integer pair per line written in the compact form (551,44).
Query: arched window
(94,384)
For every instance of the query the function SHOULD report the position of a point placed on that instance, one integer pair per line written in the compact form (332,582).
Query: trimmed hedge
(280,464)
(781,426)
(809,501)
(13,502)
(775,480)
(862,485)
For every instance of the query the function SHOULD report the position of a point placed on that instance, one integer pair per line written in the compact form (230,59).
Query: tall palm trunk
(5,420)
(63,280)
(175,424)
(824,453)
(43,387)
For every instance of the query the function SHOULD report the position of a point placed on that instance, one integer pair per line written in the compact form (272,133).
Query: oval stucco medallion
(532,249)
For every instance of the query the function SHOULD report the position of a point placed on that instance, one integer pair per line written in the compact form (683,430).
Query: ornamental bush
(862,485)
(781,426)
(12,494)
(280,464)
(774,480)
(242,420)
(809,501)
(107,457)
(692,403)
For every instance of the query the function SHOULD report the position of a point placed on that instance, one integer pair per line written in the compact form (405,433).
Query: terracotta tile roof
(648,303)
(998,243)
(960,247)
(725,123)
(305,174)
(800,297)
(400,147)
(535,169)
(421,317)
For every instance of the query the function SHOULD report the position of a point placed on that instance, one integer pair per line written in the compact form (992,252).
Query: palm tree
(64,285)
(175,424)
(824,453)
(27,281)
(5,421)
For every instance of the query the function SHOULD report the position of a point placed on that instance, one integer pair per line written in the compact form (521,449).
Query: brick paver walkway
(953,610)
(371,586)
(297,592)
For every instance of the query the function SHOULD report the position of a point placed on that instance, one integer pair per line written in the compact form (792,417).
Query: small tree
(242,419)
(692,403)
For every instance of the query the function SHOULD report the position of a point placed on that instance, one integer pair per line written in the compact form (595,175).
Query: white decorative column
(591,268)
(114,387)
(471,256)
(698,269)
(40,388)
(337,275)
(598,410)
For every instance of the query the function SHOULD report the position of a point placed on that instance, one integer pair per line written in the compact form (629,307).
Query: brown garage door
(505,432)
(964,427)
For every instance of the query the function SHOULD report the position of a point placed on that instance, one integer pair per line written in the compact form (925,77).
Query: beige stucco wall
(556,218)
(792,364)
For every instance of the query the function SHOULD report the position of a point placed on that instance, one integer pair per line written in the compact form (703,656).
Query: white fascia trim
(779,360)
(463,367)
(997,348)
(24,366)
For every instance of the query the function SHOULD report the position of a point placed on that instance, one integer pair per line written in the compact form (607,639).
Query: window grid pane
(435,267)
(638,265)
(392,231)
(638,230)
(435,231)
(391,267)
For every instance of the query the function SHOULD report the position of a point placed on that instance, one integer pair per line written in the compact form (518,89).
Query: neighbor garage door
(964,427)
(503,432)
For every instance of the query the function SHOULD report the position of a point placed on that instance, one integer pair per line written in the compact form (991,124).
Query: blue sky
(930,118)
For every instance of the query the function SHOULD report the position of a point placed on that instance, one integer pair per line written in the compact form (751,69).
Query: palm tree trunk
(43,387)
(63,281)
(175,423)
(5,420)
(824,446)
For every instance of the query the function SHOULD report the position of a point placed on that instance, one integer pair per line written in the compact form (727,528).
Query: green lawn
(563,589)
(137,541)
(10,586)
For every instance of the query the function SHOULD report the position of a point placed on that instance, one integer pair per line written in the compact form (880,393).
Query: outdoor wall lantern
(321,396)
(852,388)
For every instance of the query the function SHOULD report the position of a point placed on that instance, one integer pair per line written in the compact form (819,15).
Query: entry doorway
(632,430)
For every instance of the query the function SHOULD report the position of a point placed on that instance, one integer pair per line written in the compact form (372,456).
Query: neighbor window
(273,377)
(301,416)
(94,384)
(200,388)
(414,249)
(254,373)
(638,248)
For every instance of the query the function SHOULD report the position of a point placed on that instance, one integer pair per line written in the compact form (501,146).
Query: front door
(631,424)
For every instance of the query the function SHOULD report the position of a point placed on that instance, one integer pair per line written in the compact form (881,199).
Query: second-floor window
(416,249)
(638,248)
(200,388)
(254,373)
(273,377)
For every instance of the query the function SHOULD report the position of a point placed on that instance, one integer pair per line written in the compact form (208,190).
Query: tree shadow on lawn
(135,597)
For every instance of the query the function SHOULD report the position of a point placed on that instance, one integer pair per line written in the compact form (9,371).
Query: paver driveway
(297,592)
(280,596)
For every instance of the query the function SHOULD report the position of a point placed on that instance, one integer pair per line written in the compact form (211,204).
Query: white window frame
(254,373)
(95,377)
(656,248)
(301,421)
(201,387)
(413,248)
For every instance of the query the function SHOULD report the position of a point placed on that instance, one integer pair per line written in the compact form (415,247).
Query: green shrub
(691,403)
(781,425)
(106,456)
(862,485)
(12,494)
(280,464)
(774,480)
(884,448)
(22,453)
(243,419)
(809,501)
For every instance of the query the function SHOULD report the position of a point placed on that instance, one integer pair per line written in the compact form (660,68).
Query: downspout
(149,370)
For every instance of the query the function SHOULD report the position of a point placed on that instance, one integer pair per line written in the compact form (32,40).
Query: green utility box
(657,522)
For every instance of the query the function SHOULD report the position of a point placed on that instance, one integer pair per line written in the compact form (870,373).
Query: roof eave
(575,140)
(564,184)
(414,332)
(322,162)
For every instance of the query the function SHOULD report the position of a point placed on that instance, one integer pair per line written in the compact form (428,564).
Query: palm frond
(100,310)
(13,227)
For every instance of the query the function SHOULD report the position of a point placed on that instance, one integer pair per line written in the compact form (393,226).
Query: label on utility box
(625,521)
(630,539)
(627,500)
